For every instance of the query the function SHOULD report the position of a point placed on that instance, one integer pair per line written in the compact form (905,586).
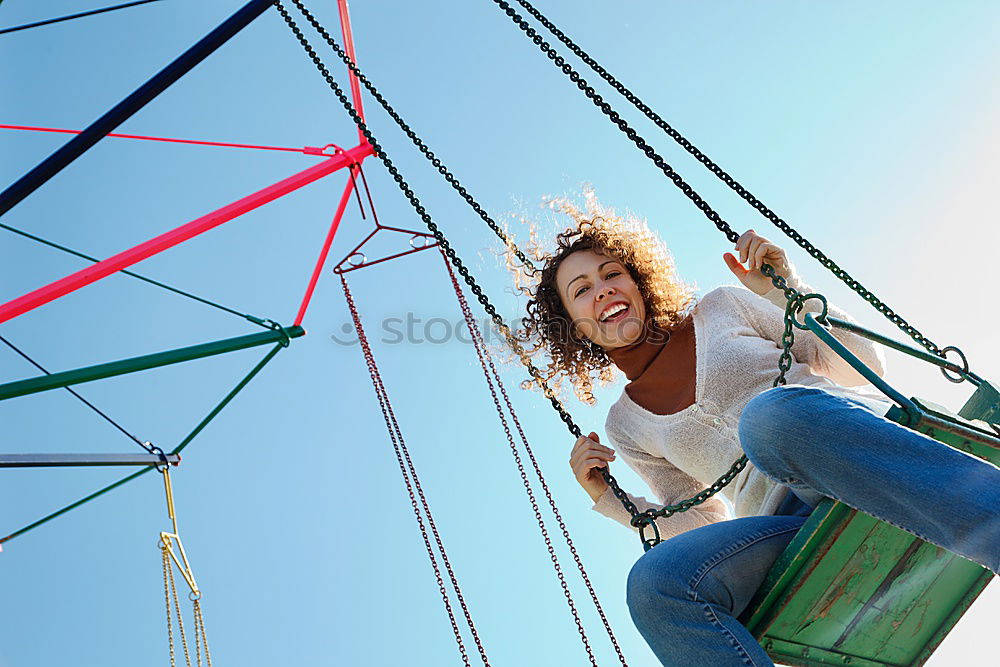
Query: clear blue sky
(869,126)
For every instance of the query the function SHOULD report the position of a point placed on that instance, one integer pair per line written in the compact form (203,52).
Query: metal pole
(59,460)
(118,114)
(345,30)
(80,15)
(113,368)
(127,258)
(344,199)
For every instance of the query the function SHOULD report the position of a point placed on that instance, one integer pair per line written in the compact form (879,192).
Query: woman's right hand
(589,456)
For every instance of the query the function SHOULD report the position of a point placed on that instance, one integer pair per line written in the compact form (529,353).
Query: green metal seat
(853,590)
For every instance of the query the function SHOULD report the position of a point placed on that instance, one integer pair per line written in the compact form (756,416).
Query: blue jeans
(686,593)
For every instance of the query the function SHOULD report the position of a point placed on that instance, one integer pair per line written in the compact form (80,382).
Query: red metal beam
(344,199)
(308,150)
(345,29)
(127,258)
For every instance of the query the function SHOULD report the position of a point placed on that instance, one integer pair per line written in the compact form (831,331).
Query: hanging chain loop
(494,382)
(415,489)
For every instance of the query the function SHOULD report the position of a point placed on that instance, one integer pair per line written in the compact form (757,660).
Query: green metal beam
(113,368)
(903,347)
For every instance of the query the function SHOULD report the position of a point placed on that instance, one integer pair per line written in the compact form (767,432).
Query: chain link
(199,625)
(168,571)
(166,598)
(410,473)
(493,382)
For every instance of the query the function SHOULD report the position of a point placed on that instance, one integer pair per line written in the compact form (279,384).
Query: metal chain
(486,362)
(622,124)
(199,626)
(417,141)
(177,608)
(409,471)
(548,493)
(431,225)
(638,519)
(731,182)
(197,640)
(166,599)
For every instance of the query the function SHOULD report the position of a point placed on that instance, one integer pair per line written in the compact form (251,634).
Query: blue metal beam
(121,112)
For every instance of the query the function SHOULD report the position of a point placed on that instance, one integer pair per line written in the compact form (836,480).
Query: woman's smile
(601,298)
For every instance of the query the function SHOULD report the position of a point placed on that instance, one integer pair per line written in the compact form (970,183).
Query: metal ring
(798,304)
(652,542)
(164,464)
(351,260)
(286,339)
(423,241)
(965,365)
(194,597)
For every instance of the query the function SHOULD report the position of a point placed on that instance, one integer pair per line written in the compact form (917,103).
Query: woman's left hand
(756,251)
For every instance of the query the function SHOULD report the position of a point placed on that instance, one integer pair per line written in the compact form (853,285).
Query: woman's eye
(580,291)
(614,274)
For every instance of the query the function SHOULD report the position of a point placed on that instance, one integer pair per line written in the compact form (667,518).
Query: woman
(700,394)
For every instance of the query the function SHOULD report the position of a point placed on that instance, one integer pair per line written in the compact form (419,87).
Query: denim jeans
(686,593)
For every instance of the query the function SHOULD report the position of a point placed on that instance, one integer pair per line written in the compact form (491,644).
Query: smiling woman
(622,259)
(603,301)
(700,395)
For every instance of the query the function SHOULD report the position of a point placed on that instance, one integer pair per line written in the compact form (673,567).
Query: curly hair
(548,329)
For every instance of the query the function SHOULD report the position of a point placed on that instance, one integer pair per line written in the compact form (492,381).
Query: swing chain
(716,170)
(637,517)
(166,597)
(493,383)
(430,224)
(414,489)
(641,520)
(416,140)
(170,591)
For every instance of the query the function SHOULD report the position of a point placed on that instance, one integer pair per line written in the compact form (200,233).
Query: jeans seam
(715,560)
(714,619)
(695,581)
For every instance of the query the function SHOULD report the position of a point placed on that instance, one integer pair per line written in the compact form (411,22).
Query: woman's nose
(605,292)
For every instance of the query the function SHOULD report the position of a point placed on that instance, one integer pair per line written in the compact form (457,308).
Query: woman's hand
(755,251)
(589,456)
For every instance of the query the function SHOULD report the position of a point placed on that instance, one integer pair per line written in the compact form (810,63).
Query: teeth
(614,310)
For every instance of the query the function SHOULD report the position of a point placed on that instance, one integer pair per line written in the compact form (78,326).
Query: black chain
(622,124)
(409,473)
(638,519)
(425,217)
(417,141)
(733,184)
(493,382)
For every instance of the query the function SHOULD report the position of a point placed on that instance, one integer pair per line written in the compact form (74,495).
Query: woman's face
(603,302)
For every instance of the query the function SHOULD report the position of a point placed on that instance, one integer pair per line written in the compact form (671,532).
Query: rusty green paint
(984,404)
(850,589)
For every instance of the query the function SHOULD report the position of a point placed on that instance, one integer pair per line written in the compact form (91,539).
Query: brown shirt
(660,367)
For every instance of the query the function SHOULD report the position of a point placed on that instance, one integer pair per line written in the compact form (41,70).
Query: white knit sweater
(737,347)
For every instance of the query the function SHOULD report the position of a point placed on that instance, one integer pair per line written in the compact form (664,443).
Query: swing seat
(853,590)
